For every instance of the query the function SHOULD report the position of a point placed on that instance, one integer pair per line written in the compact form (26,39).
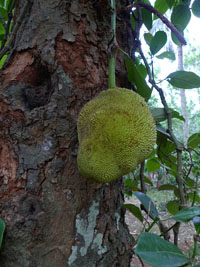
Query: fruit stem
(111,67)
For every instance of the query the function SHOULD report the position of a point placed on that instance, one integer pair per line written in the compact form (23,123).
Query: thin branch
(163,18)
(179,147)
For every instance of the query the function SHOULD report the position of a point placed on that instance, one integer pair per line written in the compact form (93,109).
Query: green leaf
(148,38)
(162,130)
(148,204)
(186,214)
(2,229)
(8,4)
(147,18)
(196,221)
(173,206)
(2,3)
(134,210)
(159,114)
(168,187)
(168,54)
(194,196)
(184,79)
(158,252)
(4,13)
(181,16)
(148,181)
(158,41)
(133,15)
(134,77)
(170,3)
(2,61)
(193,140)
(142,70)
(190,182)
(161,6)
(173,36)
(152,165)
(196,8)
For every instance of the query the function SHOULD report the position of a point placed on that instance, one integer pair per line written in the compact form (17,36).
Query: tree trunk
(54,216)
(183,98)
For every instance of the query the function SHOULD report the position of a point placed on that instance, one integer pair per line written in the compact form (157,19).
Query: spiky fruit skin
(116,132)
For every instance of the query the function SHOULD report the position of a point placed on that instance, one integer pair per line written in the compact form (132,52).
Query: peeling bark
(54,216)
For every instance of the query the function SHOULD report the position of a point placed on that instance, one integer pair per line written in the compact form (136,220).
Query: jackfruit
(116,132)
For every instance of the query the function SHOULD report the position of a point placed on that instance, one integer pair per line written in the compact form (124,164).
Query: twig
(15,29)
(179,147)
(163,18)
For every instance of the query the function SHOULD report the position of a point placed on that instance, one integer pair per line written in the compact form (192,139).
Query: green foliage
(168,54)
(161,6)
(184,79)
(158,41)
(171,161)
(137,79)
(147,204)
(134,210)
(158,252)
(194,140)
(196,8)
(186,214)
(147,18)
(181,16)
(2,229)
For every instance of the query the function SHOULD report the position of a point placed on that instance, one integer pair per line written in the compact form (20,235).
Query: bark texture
(54,216)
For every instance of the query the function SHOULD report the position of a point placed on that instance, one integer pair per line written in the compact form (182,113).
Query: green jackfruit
(116,132)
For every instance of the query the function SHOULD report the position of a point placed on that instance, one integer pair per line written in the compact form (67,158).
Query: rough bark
(54,216)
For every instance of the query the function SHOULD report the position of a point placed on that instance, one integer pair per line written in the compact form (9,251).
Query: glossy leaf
(173,206)
(148,204)
(4,13)
(196,8)
(181,16)
(162,131)
(168,54)
(196,222)
(158,41)
(148,38)
(184,79)
(2,3)
(142,70)
(190,182)
(186,214)
(148,181)
(134,210)
(161,6)
(158,252)
(159,114)
(8,4)
(147,18)
(134,77)
(173,36)
(152,165)
(170,3)
(194,197)
(193,140)
(2,229)
(168,187)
